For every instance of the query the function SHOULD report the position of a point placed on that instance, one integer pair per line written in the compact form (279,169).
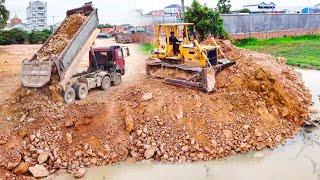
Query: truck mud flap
(35,74)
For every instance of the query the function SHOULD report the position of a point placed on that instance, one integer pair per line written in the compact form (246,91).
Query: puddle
(298,159)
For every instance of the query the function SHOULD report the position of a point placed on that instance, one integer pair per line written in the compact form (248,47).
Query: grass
(303,51)
(146,48)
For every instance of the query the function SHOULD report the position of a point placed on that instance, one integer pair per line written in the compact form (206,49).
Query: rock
(285,112)
(257,133)
(22,133)
(32,137)
(139,132)
(149,153)
(193,141)
(107,148)
(7,174)
(30,120)
(201,156)
(278,138)
(14,160)
(43,157)
(86,147)
(60,116)
(244,146)
(214,143)
(129,123)
(179,114)
(8,118)
(80,173)
(78,153)
(69,122)
(38,134)
(23,117)
(3,142)
(147,96)
(69,138)
(227,134)
(21,169)
(38,171)
(185,148)
(246,127)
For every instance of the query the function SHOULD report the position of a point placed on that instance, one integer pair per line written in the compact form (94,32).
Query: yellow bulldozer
(180,60)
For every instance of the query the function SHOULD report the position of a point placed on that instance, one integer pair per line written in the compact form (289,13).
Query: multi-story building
(37,15)
(170,14)
(173,11)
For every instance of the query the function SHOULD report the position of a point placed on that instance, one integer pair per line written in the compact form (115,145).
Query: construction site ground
(134,121)
(297,159)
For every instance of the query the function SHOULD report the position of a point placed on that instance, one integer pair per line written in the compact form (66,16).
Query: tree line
(18,36)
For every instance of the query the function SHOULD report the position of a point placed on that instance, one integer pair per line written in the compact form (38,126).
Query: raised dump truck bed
(37,73)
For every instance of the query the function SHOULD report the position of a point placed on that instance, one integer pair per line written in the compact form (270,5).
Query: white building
(261,7)
(37,15)
(173,12)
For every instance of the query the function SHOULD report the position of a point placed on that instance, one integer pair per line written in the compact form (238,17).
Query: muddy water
(298,159)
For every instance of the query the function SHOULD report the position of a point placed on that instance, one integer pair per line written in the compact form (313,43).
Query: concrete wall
(270,23)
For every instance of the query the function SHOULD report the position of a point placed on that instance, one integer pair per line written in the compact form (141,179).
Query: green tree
(105,26)
(17,36)
(4,14)
(224,6)
(38,37)
(207,21)
(245,10)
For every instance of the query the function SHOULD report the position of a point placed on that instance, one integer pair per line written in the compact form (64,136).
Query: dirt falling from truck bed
(259,103)
(62,38)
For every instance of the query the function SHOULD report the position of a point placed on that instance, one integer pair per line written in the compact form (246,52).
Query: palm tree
(4,14)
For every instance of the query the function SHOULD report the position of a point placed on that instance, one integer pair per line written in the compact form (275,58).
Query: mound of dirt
(59,41)
(259,103)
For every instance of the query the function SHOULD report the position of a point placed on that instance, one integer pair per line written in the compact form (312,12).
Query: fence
(271,25)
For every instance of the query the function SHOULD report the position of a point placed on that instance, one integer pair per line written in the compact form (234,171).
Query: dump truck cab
(106,68)
(108,58)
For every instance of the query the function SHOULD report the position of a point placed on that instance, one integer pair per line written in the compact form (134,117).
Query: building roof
(174,6)
(317,5)
(156,13)
(262,4)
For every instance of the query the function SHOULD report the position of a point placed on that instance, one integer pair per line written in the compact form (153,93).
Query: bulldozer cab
(163,47)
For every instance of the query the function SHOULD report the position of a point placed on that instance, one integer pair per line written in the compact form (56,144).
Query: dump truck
(106,65)
(123,38)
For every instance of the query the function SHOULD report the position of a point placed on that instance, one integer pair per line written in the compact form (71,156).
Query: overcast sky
(122,11)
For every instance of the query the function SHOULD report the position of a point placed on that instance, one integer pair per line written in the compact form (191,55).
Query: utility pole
(183,8)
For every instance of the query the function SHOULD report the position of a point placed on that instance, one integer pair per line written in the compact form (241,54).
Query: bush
(18,36)
(207,21)
(39,37)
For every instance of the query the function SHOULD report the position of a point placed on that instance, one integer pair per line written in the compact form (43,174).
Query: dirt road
(135,71)
(11,57)
(10,60)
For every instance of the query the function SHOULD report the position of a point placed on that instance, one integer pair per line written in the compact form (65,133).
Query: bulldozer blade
(180,82)
(209,79)
(207,84)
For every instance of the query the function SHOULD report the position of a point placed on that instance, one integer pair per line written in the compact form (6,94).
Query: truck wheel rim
(69,96)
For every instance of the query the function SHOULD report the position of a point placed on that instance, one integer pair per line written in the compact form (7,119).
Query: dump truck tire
(106,83)
(81,91)
(117,80)
(69,96)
